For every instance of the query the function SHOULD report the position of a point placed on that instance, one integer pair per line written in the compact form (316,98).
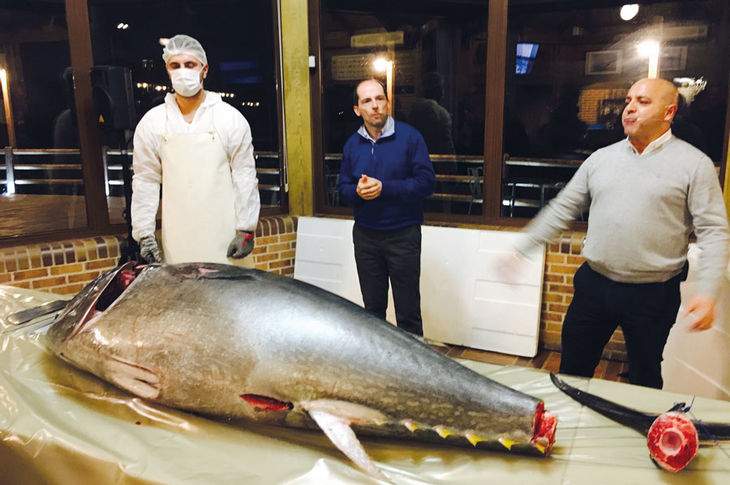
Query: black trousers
(645,312)
(394,255)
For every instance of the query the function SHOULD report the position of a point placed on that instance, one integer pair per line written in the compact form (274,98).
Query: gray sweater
(643,209)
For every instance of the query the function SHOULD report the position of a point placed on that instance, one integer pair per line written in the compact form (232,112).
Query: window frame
(496,75)
(97,210)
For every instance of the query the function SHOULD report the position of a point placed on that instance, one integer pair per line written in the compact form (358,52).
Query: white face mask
(186,82)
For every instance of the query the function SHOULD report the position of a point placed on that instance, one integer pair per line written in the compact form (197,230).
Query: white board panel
(323,248)
(530,273)
(504,292)
(498,316)
(325,257)
(699,362)
(327,277)
(466,298)
(506,343)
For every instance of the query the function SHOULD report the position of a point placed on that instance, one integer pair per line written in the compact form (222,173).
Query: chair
(475,186)
(332,194)
(511,200)
(553,188)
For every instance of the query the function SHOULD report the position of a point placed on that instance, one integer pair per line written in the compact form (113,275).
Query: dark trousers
(394,255)
(645,312)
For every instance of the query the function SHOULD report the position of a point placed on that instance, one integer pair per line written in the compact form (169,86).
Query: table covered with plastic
(59,425)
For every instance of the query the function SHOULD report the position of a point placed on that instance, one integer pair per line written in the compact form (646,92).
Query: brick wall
(65,267)
(276,244)
(561,261)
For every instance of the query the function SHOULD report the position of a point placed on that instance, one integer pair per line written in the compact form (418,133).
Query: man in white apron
(199,149)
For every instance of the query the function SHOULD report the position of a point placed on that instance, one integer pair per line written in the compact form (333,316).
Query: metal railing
(455,180)
(48,168)
(460,182)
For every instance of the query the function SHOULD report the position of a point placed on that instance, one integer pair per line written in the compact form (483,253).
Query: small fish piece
(231,342)
(673,439)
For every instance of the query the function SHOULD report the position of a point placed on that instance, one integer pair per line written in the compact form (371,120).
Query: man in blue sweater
(386,174)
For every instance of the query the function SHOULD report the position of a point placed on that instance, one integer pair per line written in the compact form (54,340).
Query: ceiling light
(381,64)
(648,48)
(629,11)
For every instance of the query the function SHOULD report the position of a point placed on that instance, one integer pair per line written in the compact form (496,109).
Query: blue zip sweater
(399,159)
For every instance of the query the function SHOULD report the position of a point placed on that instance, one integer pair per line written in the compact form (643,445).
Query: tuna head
(95,297)
(231,342)
(69,336)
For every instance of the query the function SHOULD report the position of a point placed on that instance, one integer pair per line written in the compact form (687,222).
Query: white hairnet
(184,44)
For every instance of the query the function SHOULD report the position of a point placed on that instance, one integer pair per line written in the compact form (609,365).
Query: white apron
(198,215)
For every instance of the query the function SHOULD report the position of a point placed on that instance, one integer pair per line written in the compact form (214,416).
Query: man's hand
(241,246)
(702,309)
(508,265)
(369,188)
(149,250)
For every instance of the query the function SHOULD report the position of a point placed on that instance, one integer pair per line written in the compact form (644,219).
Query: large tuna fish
(226,341)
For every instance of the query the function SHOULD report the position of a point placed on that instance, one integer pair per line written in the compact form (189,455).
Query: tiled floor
(545,359)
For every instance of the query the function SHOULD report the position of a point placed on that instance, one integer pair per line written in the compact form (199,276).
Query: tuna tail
(638,420)
(632,418)
(672,438)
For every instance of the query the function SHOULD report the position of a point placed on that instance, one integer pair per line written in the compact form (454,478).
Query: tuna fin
(473,438)
(410,425)
(508,443)
(442,431)
(134,378)
(339,432)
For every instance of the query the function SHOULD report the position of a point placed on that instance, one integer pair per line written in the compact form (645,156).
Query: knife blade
(24,316)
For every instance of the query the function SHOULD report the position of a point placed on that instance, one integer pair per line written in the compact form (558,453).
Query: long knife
(24,316)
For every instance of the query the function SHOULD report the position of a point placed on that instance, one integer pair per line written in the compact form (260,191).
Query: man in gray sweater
(646,195)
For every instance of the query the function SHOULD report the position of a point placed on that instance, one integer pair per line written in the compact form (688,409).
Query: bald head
(662,90)
(650,107)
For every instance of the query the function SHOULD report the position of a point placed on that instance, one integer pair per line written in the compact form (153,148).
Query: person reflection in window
(65,128)
(684,128)
(470,122)
(516,141)
(565,131)
(434,122)
(431,119)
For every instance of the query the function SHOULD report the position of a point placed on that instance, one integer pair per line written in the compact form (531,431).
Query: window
(239,40)
(437,55)
(50,149)
(41,187)
(564,99)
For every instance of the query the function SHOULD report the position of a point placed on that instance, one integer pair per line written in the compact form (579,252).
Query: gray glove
(241,246)
(149,250)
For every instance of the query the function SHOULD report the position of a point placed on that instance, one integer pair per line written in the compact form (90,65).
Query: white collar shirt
(388,130)
(653,146)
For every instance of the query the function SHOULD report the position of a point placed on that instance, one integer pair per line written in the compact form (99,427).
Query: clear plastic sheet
(59,425)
